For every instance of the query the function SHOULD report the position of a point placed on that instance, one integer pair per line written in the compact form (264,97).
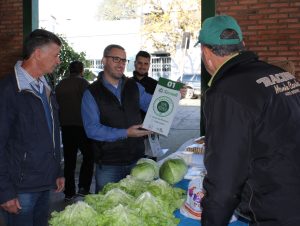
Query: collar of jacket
(22,82)
(242,58)
(135,74)
(102,79)
(212,77)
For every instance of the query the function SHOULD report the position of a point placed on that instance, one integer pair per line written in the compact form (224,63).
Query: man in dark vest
(111,118)
(140,74)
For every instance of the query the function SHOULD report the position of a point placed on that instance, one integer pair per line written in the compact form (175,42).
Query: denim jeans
(109,173)
(34,212)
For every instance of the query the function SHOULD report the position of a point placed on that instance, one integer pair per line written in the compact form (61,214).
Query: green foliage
(170,22)
(67,55)
(88,75)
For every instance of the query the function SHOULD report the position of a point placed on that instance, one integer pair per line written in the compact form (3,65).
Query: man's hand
(137,131)
(12,206)
(60,184)
(183,91)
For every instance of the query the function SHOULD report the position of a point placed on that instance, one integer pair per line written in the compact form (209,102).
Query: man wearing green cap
(252,115)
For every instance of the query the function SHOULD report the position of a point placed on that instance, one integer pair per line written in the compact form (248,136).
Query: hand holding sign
(137,131)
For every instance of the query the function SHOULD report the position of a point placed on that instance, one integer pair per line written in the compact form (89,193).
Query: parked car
(193,83)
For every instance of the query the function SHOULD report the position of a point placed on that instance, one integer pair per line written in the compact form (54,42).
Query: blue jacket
(29,154)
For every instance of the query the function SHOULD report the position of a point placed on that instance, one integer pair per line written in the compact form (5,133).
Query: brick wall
(271,28)
(11,33)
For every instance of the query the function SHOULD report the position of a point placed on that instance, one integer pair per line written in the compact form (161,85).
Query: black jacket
(252,114)
(148,83)
(69,94)
(29,154)
(118,115)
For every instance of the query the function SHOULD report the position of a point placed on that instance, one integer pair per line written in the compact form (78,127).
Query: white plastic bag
(192,206)
(152,146)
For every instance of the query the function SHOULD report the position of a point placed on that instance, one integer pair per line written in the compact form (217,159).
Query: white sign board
(163,106)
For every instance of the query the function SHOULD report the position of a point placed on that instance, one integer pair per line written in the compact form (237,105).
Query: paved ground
(186,125)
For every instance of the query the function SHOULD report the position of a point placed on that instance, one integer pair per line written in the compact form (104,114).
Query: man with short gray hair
(29,134)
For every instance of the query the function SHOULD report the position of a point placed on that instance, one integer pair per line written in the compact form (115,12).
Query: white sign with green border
(163,106)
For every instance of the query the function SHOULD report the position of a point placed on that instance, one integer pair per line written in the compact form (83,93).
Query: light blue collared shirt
(91,114)
(26,81)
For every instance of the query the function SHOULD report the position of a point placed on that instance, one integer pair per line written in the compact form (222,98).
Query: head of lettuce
(173,170)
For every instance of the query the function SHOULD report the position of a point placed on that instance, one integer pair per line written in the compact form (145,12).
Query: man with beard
(140,74)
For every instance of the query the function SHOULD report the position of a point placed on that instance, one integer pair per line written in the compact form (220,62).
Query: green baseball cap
(212,28)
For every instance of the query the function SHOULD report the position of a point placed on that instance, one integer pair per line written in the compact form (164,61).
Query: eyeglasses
(118,59)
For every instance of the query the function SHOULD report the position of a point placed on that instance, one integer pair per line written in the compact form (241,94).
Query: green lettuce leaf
(129,184)
(173,170)
(78,214)
(120,216)
(152,162)
(154,210)
(110,200)
(175,197)
(143,171)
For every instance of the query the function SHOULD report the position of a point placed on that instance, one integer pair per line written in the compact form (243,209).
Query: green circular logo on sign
(163,106)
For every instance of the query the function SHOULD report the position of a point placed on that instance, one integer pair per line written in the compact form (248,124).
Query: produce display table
(185,221)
